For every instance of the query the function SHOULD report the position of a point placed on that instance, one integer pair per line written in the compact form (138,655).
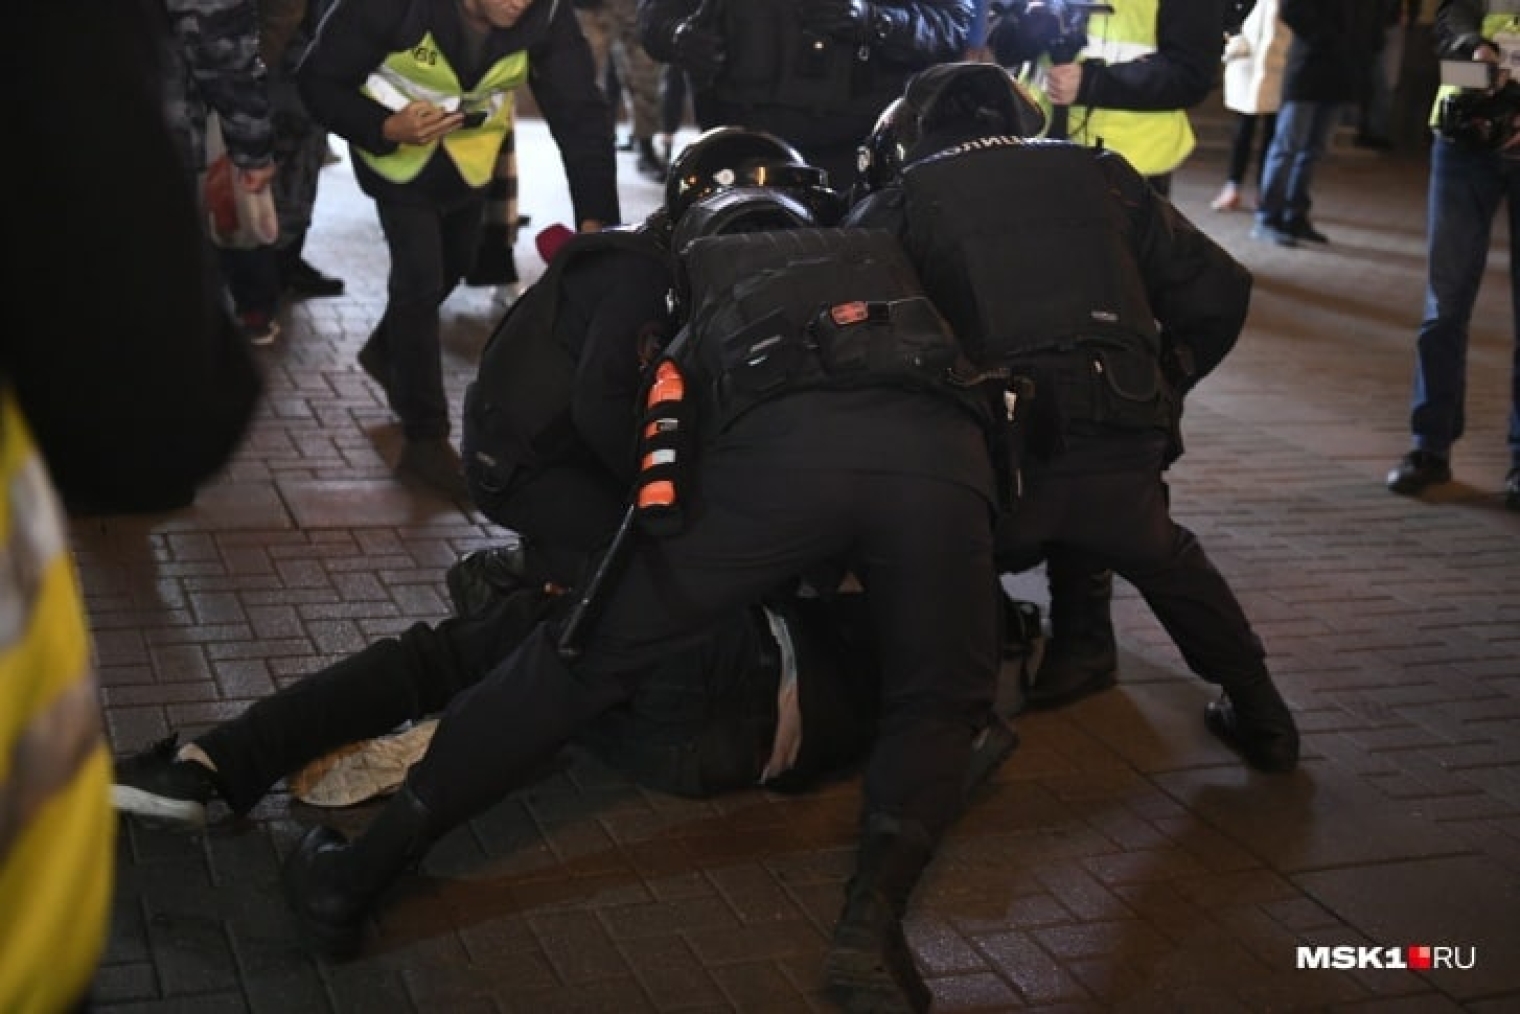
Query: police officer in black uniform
(1061,264)
(814,72)
(886,474)
(707,718)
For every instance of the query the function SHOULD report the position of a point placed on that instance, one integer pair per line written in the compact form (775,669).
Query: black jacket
(357,35)
(1179,75)
(1334,44)
(784,94)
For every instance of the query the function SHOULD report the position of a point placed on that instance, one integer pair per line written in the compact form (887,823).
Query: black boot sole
(860,982)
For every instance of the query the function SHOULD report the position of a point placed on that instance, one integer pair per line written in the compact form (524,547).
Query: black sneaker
(436,465)
(1417,470)
(1512,489)
(1300,228)
(1266,232)
(1266,737)
(153,784)
(301,278)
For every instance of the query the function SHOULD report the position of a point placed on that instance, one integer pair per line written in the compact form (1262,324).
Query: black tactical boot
(1252,718)
(332,883)
(869,966)
(1081,657)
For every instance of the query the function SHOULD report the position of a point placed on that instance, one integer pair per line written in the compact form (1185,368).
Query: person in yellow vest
(1123,80)
(422,91)
(96,414)
(1129,78)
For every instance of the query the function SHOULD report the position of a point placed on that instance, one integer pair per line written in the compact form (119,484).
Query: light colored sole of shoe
(179,813)
(362,771)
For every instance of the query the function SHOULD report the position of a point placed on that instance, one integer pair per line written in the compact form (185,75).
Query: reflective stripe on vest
(422,73)
(1153,141)
(57,829)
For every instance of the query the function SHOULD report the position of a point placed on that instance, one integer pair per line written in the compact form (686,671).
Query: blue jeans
(1467,185)
(1303,129)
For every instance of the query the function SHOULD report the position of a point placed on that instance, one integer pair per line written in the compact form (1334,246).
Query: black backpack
(517,409)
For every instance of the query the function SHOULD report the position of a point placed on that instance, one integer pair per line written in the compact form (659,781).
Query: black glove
(842,19)
(698,50)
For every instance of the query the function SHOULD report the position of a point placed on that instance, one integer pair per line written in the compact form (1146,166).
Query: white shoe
(364,770)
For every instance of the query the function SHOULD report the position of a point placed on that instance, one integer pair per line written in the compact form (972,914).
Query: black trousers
(921,546)
(1104,500)
(430,250)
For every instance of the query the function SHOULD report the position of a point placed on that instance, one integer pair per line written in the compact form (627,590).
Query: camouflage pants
(613,34)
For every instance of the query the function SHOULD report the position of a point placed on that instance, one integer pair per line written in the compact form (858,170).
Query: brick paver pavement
(1121,860)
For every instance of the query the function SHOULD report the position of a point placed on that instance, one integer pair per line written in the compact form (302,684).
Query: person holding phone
(422,91)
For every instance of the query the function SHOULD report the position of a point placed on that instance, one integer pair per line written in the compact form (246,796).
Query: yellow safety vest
(422,73)
(1493,24)
(57,828)
(1153,141)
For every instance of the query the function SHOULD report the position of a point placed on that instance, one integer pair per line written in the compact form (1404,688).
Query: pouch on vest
(761,324)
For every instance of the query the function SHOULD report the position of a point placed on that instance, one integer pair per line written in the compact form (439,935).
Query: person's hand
(420,122)
(1062,82)
(699,51)
(255,179)
(842,19)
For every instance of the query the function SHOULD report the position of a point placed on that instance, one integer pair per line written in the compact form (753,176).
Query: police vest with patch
(517,410)
(1047,286)
(795,309)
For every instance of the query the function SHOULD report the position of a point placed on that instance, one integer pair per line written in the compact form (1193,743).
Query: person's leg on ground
(367,694)
(1228,198)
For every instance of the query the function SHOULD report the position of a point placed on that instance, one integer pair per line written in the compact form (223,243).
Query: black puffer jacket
(824,102)
(1334,44)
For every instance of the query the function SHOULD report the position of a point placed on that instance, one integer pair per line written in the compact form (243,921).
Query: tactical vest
(795,309)
(422,72)
(1039,276)
(517,409)
(770,61)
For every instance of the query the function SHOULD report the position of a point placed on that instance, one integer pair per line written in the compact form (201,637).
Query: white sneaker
(364,770)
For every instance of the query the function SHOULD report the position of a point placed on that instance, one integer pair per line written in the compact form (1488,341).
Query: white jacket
(1254,59)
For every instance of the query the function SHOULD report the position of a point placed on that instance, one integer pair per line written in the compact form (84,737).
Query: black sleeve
(1458,28)
(1179,75)
(123,354)
(1199,293)
(925,32)
(627,295)
(657,20)
(354,38)
(563,77)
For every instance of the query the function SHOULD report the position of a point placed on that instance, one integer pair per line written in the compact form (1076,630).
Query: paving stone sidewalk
(1122,860)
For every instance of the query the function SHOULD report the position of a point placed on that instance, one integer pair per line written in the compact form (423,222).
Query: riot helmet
(944,105)
(727,157)
(740,209)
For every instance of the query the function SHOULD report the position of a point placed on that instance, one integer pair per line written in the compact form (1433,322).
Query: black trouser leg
(365,695)
(869,965)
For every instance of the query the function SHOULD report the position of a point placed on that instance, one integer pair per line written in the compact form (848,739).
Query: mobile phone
(473,117)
